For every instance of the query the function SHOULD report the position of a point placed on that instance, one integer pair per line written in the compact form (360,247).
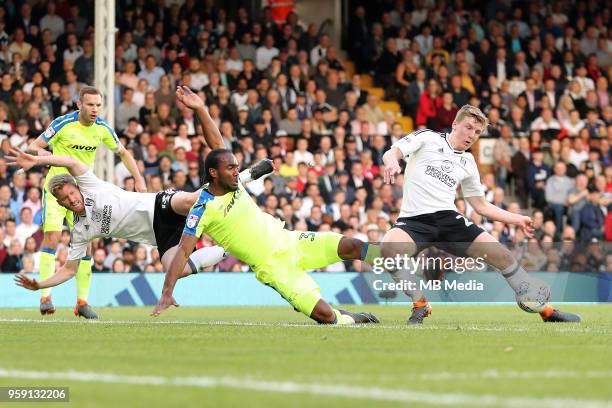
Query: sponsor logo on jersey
(463,161)
(192,221)
(107,213)
(441,150)
(447,166)
(236,195)
(164,201)
(83,147)
(440,175)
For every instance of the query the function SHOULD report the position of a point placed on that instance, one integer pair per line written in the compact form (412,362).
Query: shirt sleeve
(411,142)
(194,224)
(109,136)
(49,135)
(471,186)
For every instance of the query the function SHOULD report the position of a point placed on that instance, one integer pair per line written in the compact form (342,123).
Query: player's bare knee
(349,248)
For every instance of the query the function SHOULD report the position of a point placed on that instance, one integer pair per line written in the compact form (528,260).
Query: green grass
(453,353)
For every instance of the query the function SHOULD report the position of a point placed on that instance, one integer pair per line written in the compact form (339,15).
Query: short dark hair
(88,90)
(212,162)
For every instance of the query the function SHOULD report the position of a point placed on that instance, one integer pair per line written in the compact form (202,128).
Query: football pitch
(464,355)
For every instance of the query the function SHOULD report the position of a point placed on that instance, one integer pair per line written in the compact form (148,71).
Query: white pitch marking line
(502,375)
(288,387)
(549,328)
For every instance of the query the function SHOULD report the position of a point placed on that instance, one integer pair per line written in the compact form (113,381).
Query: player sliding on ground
(103,210)
(436,163)
(279,257)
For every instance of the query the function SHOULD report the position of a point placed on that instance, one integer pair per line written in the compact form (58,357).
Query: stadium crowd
(539,70)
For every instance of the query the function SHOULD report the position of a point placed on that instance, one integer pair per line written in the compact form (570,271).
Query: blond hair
(57,182)
(470,111)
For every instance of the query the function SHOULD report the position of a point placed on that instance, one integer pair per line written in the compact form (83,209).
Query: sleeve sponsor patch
(48,134)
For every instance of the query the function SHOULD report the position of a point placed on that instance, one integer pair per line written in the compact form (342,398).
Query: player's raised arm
(66,272)
(185,247)
(27,161)
(187,97)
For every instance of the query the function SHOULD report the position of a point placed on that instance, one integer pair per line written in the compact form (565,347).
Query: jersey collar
(445,137)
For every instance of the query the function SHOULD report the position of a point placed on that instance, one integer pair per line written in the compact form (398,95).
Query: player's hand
(526,224)
(164,302)
(189,98)
(140,186)
(25,282)
(391,170)
(21,159)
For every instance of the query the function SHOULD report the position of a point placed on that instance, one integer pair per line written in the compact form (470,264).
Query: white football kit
(433,172)
(111,212)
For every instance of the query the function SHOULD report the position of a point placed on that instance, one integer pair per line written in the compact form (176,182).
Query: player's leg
(317,250)
(529,290)
(397,242)
(202,258)
(53,220)
(303,293)
(168,224)
(320,249)
(83,283)
(182,201)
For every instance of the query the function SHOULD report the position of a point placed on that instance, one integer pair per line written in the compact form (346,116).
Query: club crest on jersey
(89,202)
(447,166)
(192,221)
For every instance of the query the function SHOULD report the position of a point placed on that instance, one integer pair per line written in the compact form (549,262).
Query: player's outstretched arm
(62,275)
(132,166)
(185,247)
(213,137)
(494,213)
(27,161)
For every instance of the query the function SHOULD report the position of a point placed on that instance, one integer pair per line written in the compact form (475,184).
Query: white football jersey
(433,172)
(111,212)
